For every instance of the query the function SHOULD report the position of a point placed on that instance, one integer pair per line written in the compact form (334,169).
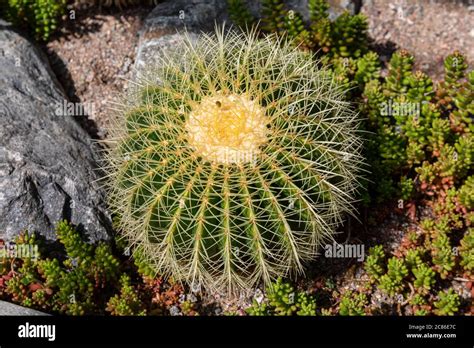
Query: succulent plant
(283,300)
(232,162)
(239,13)
(118,3)
(353,304)
(40,17)
(392,281)
(448,302)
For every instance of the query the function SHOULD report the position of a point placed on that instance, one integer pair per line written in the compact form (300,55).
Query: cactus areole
(236,158)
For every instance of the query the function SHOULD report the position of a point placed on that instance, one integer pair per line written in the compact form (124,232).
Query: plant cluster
(423,141)
(39,17)
(344,37)
(413,281)
(78,278)
(283,299)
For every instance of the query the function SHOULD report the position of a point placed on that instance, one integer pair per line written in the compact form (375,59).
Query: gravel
(93,58)
(429,29)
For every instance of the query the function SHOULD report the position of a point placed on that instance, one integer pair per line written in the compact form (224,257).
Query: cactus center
(227,128)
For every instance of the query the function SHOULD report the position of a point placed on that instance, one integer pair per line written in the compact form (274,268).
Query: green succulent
(353,305)
(414,258)
(318,10)
(399,73)
(41,17)
(229,171)
(466,251)
(296,29)
(442,254)
(75,285)
(127,302)
(424,278)
(283,300)
(392,281)
(350,35)
(368,68)
(239,13)
(273,14)
(448,303)
(375,261)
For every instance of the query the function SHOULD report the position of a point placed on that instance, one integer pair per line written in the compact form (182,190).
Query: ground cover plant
(415,136)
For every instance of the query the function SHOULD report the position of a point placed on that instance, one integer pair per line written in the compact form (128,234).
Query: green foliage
(318,10)
(344,37)
(399,73)
(127,302)
(349,35)
(424,278)
(420,140)
(239,13)
(296,30)
(414,258)
(466,193)
(455,66)
(466,252)
(283,299)
(258,309)
(407,187)
(448,303)
(75,285)
(353,304)
(41,17)
(392,281)
(442,254)
(368,68)
(273,14)
(374,264)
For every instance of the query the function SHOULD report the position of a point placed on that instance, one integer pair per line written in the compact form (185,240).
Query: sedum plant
(233,161)
(40,17)
(448,303)
(283,300)
(353,304)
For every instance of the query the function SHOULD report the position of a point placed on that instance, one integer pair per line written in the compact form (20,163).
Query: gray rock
(47,161)
(164,26)
(7,308)
(194,15)
(301,6)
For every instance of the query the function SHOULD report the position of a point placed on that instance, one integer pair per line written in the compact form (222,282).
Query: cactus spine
(234,162)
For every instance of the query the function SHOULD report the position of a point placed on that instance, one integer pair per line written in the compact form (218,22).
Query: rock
(164,24)
(301,6)
(194,15)
(47,161)
(7,308)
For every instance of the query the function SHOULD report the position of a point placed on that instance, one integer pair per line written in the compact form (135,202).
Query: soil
(93,58)
(429,29)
